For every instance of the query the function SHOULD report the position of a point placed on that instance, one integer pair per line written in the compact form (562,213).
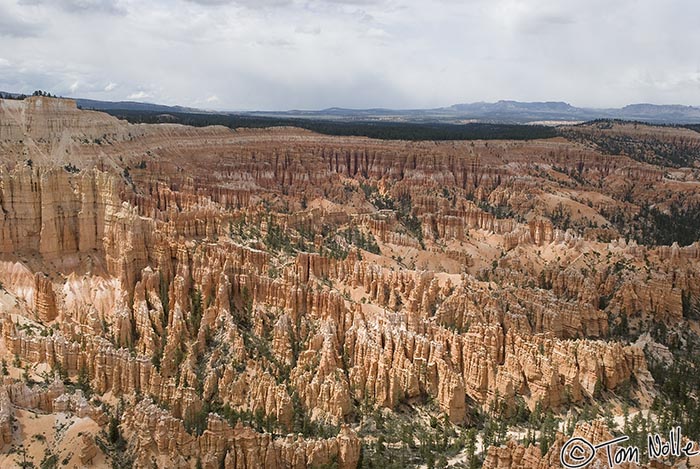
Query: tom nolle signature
(579,452)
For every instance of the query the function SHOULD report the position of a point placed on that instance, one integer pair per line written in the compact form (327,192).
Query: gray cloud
(113,7)
(308,29)
(247,3)
(12,25)
(280,54)
(277,3)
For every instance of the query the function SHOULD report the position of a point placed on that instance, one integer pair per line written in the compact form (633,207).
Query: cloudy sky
(313,54)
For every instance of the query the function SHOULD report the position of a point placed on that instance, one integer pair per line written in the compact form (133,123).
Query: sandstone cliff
(255,295)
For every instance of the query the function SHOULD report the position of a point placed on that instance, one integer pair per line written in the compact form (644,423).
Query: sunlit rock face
(247,298)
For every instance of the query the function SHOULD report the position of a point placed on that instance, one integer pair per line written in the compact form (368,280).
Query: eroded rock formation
(245,295)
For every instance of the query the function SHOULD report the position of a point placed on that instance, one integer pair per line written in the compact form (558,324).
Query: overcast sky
(313,54)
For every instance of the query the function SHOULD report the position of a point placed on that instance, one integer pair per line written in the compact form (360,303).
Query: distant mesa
(503,111)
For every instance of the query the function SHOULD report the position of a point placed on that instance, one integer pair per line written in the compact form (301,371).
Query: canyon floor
(173,296)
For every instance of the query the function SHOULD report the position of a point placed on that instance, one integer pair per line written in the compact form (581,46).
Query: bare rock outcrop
(157,433)
(238,287)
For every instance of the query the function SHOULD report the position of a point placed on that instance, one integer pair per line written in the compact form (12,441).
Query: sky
(315,54)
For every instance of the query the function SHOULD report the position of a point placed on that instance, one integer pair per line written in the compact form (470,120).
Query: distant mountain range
(509,112)
(130,106)
(514,112)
